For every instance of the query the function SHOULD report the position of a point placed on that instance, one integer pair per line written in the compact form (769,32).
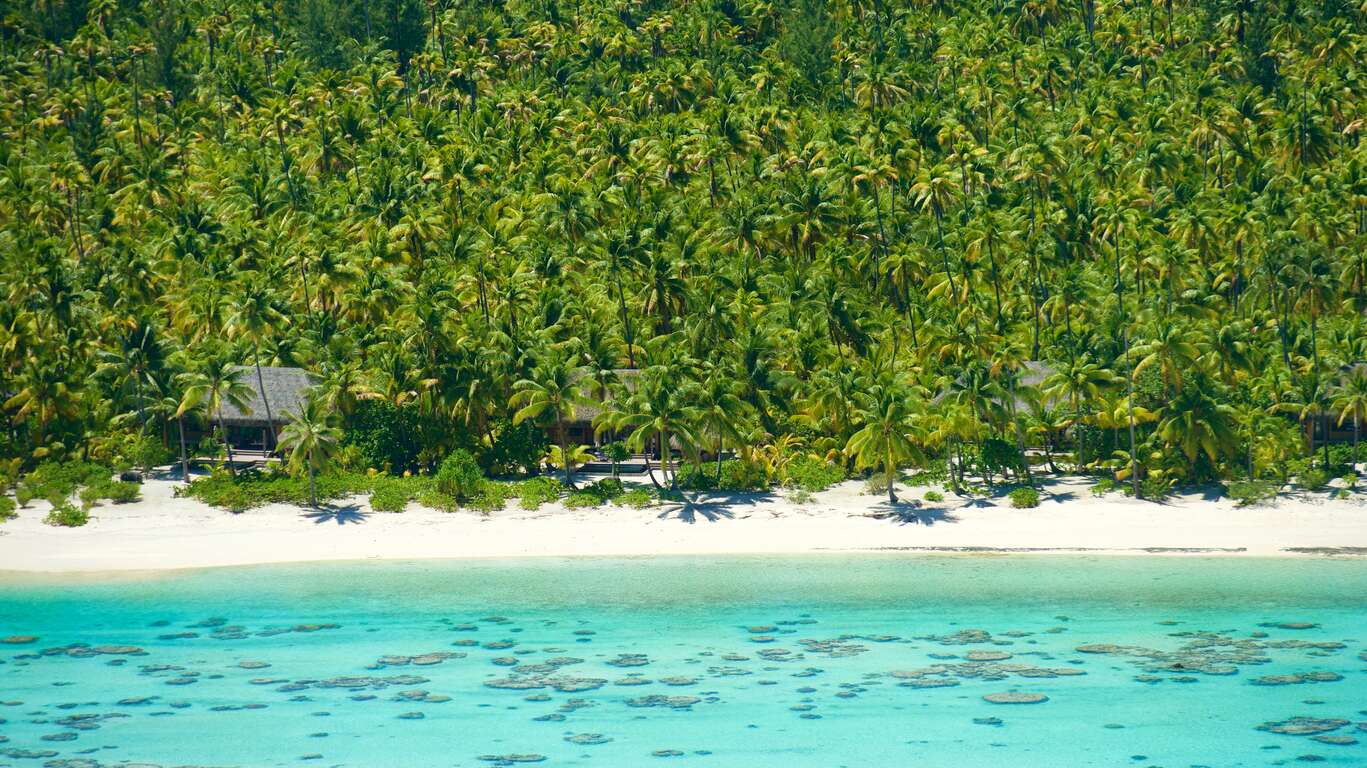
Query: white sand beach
(163,532)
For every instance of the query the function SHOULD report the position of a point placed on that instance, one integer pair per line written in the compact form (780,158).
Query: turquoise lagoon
(869,660)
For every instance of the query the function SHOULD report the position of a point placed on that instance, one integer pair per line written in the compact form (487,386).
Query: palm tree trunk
(1355,444)
(565,457)
(665,461)
(313,491)
(719,457)
(184,459)
(227,444)
(270,422)
(1129,406)
(890,468)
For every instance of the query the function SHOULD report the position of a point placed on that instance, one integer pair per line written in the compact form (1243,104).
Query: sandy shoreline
(162,532)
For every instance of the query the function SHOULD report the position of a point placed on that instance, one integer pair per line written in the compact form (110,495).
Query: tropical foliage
(823,228)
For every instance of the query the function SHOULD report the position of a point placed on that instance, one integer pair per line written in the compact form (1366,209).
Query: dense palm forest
(1124,238)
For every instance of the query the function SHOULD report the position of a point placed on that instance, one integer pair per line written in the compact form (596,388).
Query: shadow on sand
(911,512)
(348,514)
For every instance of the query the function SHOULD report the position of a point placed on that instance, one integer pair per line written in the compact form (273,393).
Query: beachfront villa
(250,429)
(579,429)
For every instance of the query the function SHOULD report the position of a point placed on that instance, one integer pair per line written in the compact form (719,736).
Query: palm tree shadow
(348,514)
(911,512)
(689,510)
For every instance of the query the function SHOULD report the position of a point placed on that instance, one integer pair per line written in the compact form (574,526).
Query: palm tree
(1351,402)
(311,442)
(552,392)
(890,435)
(660,410)
(255,316)
(211,382)
(720,409)
(1199,424)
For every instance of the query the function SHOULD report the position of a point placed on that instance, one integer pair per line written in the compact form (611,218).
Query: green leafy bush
(736,475)
(58,480)
(1247,493)
(1155,488)
(876,485)
(801,496)
(147,452)
(390,495)
(460,476)
(934,496)
(66,515)
(252,489)
(516,448)
(936,472)
(116,491)
(1312,479)
(997,457)
(812,474)
(536,491)
(1103,486)
(385,435)
(597,494)
(1024,498)
(637,498)
(7,509)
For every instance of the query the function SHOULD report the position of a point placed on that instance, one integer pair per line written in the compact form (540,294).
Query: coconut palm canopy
(1139,229)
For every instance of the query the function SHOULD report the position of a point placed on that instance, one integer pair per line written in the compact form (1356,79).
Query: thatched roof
(287,389)
(587,411)
(1032,374)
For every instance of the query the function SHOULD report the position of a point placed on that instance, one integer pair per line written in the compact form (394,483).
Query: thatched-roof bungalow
(579,429)
(286,389)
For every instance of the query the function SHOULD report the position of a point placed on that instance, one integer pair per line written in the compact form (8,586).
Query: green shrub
(489,497)
(24,494)
(7,509)
(147,452)
(58,480)
(536,491)
(1024,498)
(385,435)
(812,474)
(876,485)
(516,448)
(801,496)
(1312,479)
(997,457)
(1247,493)
(934,496)
(583,498)
(1155,488)
(935,472)
(460,476)
(597,494)
(737,475)
(256,489)
(637,498)
(389,495)
(116,491)
(66,515)
(1103,486)
(123,493)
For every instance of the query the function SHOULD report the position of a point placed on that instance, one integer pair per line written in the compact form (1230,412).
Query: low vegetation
(67,515)
(1024,498)
(1247,493)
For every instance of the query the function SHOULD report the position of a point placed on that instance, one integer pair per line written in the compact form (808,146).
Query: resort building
(249,428)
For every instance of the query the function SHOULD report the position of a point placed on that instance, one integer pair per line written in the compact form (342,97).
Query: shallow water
(762,661)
